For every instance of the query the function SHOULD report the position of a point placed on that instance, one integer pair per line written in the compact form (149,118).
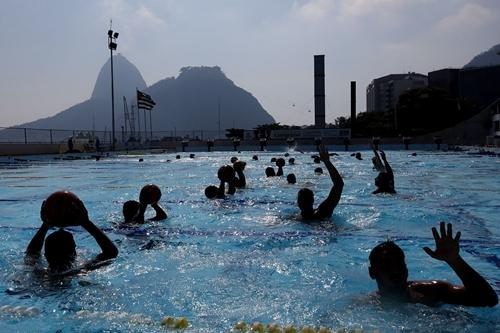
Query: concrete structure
(382,93)
(319,91)
(445,79)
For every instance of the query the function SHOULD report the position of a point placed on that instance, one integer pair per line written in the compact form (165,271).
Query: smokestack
(353,107)
(319,91)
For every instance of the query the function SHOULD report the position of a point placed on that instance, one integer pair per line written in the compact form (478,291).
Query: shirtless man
(150,195)
(388,268)
(305,197)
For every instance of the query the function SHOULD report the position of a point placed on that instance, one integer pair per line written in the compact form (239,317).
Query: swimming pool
(248,258)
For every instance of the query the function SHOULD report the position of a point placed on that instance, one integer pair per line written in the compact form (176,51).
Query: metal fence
(55,136)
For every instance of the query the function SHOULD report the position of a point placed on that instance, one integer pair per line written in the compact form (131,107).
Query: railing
(24,135)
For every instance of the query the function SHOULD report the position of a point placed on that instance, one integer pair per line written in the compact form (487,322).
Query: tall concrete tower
(319,91)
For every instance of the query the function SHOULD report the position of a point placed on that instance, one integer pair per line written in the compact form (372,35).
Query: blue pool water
(248,257)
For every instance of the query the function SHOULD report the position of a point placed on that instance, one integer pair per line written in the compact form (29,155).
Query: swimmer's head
(291,179)
(388,268)
(318,171)
(291,161)
(358,156)
(287,154)
(273,160)
(270,172)
(234,159)
(305,199)
(211,191)
(317,160)
(255,157)
(177,157)
(191,155)
(60,250)
(280,162)
(130,208)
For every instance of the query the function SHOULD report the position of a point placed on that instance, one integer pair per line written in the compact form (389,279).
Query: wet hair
(191,155)
(318,170)
(291,161)
(287,154)
(255,157)
(211,191)
(129,209)
(234,159)
(177,156)
(270,172)
(273,160)
(290,178)
(358,156)
(305,198)
(317,160)
(60,249)
(378,252)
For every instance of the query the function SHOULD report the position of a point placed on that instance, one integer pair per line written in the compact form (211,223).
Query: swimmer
(234,159)
(388,268)
(291,179)
(280,163)
(273,160)
(318,171)
(255,157)
(305,197)
(270,172)
(291,161)
(385,180)
(60,247)
(150,195)
(317,160)
(240,180)
(358,156)
(226,174)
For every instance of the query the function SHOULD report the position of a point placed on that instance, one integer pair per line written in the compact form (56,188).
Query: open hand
(323,153)
(447,247)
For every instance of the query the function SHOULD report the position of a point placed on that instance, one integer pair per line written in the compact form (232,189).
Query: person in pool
(305,197)
(60,247)
(239,179)
(385,179)
(388,268)
(226,174)
(134,211)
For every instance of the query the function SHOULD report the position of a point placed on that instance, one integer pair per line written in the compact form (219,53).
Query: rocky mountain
(189,102)
(194,98)
(487,58)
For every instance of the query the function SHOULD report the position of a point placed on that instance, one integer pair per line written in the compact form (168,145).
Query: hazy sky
(52,50)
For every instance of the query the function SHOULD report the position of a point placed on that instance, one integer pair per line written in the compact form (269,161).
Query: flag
(144,101)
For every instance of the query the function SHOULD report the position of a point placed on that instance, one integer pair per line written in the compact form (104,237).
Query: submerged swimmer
(62,209)
(388,268)
(305,197)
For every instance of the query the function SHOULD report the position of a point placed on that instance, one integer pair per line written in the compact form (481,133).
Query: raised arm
(160,213)
(36,244)
(475,291)
(325,209)
(388,168)
(108,249)
(221,190)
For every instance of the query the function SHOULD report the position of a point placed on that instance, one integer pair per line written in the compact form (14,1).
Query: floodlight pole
(112,36)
